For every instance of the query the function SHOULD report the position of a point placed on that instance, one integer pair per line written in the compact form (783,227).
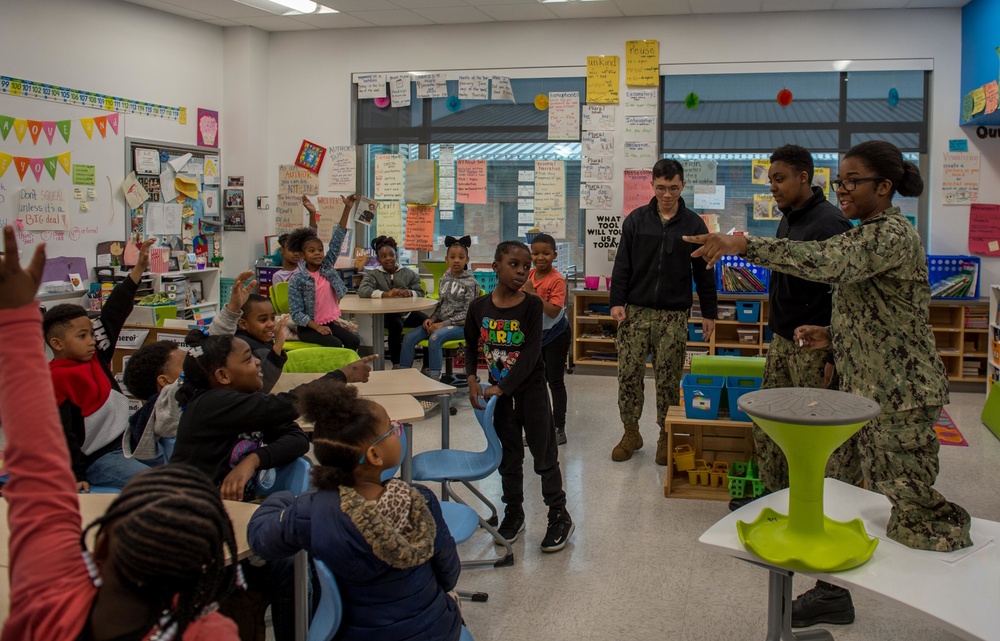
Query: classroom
(219,126)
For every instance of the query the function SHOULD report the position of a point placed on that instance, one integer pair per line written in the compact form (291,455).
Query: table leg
(301,595)
(406,468)
(779,610)
(445,401)
(378,341)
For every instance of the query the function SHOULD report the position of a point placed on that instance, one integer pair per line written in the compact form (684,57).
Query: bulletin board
(187,210)
(70,161)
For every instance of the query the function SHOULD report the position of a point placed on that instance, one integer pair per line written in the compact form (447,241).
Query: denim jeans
(114,470)
(434,354)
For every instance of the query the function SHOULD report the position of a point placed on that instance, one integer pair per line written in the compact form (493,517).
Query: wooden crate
(720,440)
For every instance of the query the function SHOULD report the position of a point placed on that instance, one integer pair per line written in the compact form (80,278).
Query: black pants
(528,407)
(272,583)
(339,337)
(554,356)
(394,324)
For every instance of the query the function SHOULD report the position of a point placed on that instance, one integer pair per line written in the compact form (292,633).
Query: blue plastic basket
(941,267)
(225,289)
(702,395)
(761,274)
(487,280)
(737,386)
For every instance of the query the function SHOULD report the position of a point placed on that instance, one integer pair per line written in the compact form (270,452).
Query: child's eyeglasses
(395,429)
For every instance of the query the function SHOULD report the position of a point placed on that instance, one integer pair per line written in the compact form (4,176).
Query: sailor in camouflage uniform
(879,332)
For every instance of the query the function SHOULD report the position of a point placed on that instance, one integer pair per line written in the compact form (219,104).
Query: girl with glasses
(386,543)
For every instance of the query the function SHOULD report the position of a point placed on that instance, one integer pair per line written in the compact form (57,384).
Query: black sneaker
(825,603)
(558,532)
(512,525)
(560,436)
(735,504)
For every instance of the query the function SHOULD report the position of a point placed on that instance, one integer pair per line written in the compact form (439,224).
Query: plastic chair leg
(475,597)
(482,497)
(507,558)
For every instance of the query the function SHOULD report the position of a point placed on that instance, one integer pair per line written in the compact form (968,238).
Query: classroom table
(399,407)
(957,591)
(377,308)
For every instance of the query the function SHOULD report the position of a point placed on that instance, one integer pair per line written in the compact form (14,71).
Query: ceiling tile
(392,18)
(174,9)
(797,5)
(653,7)
(276,23)
(480,3)
(869,4)
(334,21)
(454,15)
(351,6)
(585,10)
(219,22)
(516,12)
(724,6)
(932,4)
(221,8)
(429,4)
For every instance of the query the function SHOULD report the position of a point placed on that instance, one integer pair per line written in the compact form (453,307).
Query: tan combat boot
(631,441)
(662,452)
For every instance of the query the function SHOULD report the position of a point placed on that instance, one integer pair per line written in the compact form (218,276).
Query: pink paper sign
(637,188)
(984,230)
(470,182)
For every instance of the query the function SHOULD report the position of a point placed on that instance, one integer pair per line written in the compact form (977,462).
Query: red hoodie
(50,592)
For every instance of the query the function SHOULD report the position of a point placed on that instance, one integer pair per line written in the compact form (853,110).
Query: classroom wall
(310,71)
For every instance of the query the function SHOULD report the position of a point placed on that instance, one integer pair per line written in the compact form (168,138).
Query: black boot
(825,603)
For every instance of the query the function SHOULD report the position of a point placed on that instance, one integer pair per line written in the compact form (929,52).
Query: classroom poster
(470,182)
(390,219)
(473,87)
(43,209)
(821,179)
(419,235)
(388,176)
(421,182)
(564,115)
(639,154)
(328,212)
(296,180)
(288,213)
(371,85)
(640,128)
(984,230)
(758,171)
(642,63)
(990,89)
(597,144)
(596,170)
(763,207)
(342,162)
(432,85)
(550,197)
(602,79)
(641,102)
(637,189)
(960,178)
(211,175)
(700,172)
(595,196)
(709,196)
(598,118)
(501,89)
(399,89)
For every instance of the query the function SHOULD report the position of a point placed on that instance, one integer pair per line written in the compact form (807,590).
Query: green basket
(744,480)
(225,289)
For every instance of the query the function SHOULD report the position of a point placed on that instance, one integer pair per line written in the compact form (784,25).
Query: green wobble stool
(808,425)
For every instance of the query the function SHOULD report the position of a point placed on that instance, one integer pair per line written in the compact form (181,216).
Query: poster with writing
(598,118)
(211,169)
(421,182)
(564,115)
(289,214)
(474,87)
(293,179)
(763,207)
(432,85)
(419,228)
(700,172)
(821,178)
(640,128)
(602,79)
(342,166)
(595,196)
(399,89)
(371,85)
(984,230)
(709,196)
(641,102)
(758,170)
(601,245)
(328,212)
(642,63)
(960,178)
(501,89)
(990,90)
(388,176)
(43,209)
(597,170)
(639,154)
(470,182)
(978,100)
(598,144)
(637,189)
(550,197)
(390,219)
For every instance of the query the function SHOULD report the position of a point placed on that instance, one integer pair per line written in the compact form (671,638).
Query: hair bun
(912,184)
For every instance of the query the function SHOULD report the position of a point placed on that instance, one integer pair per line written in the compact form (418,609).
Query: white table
(957,591)
(377,308)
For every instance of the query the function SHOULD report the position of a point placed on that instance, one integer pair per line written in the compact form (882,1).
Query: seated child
(548,284)
(386,543)
(289,259)
(507,325)
(315,290)
(389,280)
(93,410)
(456,289)
(135,585)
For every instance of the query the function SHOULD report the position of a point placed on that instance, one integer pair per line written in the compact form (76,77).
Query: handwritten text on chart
(41,209)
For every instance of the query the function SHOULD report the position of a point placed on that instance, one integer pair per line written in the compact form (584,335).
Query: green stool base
(838,546)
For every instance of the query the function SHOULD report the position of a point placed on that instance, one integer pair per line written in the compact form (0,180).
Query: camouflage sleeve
(854,256)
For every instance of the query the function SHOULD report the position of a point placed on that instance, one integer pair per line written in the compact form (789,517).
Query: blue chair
(448,466)
(293,477)
(101,489)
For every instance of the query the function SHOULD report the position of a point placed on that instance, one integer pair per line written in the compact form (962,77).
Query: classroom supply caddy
(953,277)
(736,275)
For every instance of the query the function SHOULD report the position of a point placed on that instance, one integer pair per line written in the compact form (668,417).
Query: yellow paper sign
(763,207)
(978,100)
(759,168)
(182,117)
(642,63)
(602,79)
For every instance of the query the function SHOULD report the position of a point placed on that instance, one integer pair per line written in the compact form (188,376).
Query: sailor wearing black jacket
(650,299)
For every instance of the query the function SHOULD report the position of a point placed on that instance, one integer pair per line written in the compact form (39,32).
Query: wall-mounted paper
(640,128)
(446,184)
(763,207)
(342,165)
(289,214)
(84,174)
(984,230)
(700,172)
(637,189)
(421,182)
(474,87)
(960,178)
(168,193)
(525,217)
(211,175)
(147,161)
(597,144)
(640,102)
(598,118)
(178,163)
(371,85)
(642,63)
(990,90)
(821,178)
(400,89)
(710,197)
(595,196)
(210,202)
(527,204)
(135,195)
(43,209)
(419,234)
(602,79)
(432,85)
(446,214)
(390,219)
(525,175)
(564,115)
(597,170)
(293,179)
(758,171)
(640,154)
(501,89)
(388,176)
(550,197)
(163,219)
(525,191)
(470,182)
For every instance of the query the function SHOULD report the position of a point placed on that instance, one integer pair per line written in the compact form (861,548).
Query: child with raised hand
(507,325)
(548,284)
(315,290)
(134,586)
(456,290)
(389,280)
(386,543)
(93,410)
(290,260)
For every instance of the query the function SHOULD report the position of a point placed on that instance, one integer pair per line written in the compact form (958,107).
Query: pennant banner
(22,166)
(50,129)
(113,121)
(65,161)
(102,125)
(37,165)
(5,160)
(51,164)
(88,127)
(53,93)
(6,124)
(20,127)
(35,129)
(63,127)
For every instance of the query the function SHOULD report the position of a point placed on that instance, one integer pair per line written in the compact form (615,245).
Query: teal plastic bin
(702,396)
(737,386)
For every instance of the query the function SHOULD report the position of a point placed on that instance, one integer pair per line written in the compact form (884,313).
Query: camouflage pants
(789,366)
(644,331)
(898,445)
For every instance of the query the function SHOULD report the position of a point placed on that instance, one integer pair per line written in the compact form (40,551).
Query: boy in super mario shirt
(93,410)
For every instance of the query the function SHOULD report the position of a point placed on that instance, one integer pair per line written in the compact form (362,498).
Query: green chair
(437,268)
(316,360)
(279,300)
(448,348)
(808,424)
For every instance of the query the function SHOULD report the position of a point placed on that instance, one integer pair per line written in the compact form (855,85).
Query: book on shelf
(957,285)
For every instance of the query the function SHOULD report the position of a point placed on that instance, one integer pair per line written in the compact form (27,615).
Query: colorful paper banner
(42,91)
(5,160)
(88,127)
(35,129)
(37,165)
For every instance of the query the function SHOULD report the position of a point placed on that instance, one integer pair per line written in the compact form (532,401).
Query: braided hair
(205,355)
(507,246)
(385,241)
(170,542)
(344,423)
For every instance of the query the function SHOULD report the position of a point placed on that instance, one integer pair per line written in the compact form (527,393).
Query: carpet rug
(947,431)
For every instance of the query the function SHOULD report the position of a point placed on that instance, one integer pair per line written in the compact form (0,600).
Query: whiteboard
(105,219)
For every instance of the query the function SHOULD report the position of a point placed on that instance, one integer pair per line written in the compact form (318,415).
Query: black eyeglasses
(850,184)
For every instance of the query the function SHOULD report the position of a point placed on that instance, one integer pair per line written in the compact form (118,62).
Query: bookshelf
(992,339)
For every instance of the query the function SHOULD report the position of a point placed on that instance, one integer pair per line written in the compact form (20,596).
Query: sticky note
(77,193)
(994,246)
(958,145)
(91,193)
(84,207)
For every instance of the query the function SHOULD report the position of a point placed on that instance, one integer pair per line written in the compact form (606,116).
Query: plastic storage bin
(737,386)
(683,458)
(744,480)
(702,395)
(700,473)
(748,311)
(695,333)
(487,280)
(727,311)
(734,274)
(942,270)
(748,336)
(727,351)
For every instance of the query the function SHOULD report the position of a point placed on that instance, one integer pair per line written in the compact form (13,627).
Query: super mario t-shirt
(510,340)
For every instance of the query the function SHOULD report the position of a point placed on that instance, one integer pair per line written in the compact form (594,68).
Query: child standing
(93,410)
(389,280)
(548,284)
(315,291)
(386,543)
(508,326)
(289,259)
(456,290)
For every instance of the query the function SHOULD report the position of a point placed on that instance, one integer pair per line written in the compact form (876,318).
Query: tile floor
(633,569)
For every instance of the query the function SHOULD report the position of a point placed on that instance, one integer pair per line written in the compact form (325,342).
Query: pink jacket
(50,592)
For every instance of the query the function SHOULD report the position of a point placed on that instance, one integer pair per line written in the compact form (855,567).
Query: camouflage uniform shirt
(879,332)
